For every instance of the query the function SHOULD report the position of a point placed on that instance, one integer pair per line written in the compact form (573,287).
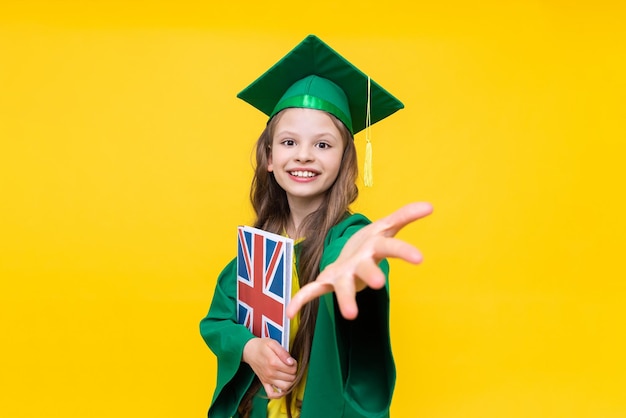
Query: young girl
(340,362)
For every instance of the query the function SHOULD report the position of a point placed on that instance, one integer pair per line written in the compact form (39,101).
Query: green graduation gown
(351,369)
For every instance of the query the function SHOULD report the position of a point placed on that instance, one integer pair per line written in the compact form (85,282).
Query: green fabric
(314,92)
(351,371)
(314,57)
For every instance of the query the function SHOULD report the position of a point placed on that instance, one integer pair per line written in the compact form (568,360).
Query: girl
(340,362)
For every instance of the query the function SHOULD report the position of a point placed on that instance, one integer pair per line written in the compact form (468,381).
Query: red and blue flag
(264,263)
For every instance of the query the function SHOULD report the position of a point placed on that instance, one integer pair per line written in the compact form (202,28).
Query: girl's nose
(304,154)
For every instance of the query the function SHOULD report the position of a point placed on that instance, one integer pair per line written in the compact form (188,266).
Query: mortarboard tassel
(368,176)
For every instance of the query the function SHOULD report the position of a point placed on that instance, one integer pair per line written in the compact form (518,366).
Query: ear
(270,165)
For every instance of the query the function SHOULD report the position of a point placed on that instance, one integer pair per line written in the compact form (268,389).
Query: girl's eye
(289,142)
(323,145)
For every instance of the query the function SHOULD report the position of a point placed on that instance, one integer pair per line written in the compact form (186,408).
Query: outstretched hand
(357,265)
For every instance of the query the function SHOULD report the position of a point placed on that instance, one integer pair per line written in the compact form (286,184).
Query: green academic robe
(351,369)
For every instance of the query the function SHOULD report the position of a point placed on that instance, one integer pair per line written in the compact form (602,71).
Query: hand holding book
(273,365)
(357,265)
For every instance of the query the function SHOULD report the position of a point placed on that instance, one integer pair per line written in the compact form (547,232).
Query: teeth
(303,174)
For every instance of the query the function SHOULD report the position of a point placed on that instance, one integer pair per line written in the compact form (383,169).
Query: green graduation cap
(314,76)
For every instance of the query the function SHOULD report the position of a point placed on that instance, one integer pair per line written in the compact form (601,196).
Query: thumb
(282,354)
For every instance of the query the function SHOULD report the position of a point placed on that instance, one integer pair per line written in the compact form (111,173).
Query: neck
(298,212)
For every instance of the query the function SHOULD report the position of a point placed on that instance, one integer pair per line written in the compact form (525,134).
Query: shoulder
(340,234)
(348,226)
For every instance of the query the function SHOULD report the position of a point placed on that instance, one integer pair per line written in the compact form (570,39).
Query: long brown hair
(270,204)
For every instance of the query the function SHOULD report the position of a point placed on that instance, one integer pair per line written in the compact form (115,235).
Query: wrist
(245,355)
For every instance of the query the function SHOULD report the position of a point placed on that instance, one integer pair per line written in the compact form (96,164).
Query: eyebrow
(316,136)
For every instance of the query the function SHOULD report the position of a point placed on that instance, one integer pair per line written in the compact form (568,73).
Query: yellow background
(125,166)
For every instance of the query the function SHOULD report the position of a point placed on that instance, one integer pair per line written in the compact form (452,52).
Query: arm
(356,351)
(226,338)
(357,268)
(351,371)
(239,354)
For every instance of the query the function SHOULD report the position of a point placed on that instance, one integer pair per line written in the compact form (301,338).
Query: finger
(396,248)
(306,294)
(397,220)
(272,391)
(286,378)
(345,292)
(281,386)
(367,274)
(370,274)
(282,354)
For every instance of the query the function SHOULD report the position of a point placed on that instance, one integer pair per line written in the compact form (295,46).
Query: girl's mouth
(303,174)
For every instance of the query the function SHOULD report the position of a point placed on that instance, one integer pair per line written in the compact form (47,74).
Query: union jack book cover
(264,268)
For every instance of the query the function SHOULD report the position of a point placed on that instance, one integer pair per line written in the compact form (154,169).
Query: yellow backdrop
(125,166)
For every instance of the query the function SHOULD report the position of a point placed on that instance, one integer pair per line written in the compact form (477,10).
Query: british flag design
(264,264)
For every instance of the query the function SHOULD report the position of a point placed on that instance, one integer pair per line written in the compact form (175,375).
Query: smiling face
(306,153)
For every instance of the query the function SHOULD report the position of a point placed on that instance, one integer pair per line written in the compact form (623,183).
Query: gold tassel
(368,175)
(368,178)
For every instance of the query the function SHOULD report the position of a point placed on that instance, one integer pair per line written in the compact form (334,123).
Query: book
(264,274)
